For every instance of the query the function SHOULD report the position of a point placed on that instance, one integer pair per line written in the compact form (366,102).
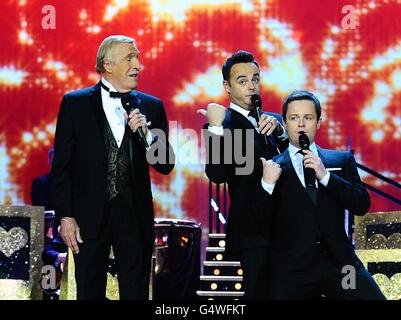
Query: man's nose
(301,123)
(251,86)
(136,64)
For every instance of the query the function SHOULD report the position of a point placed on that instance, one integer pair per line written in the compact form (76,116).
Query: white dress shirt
(218,130)
(115,114)
(297,162)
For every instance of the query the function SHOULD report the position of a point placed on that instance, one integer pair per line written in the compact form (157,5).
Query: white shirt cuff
(325,180)
(149,137)
(284,135)
(268,187)
(217,130)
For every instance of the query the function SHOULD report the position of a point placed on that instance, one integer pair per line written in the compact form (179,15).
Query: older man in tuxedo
(101,183)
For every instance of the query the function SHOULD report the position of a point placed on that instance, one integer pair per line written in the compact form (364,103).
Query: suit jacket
(80,162)
(40,192)
(299,224)
(248,224)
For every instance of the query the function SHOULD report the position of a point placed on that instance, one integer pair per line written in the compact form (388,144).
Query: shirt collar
(108,85)
(239,109)
(293,150)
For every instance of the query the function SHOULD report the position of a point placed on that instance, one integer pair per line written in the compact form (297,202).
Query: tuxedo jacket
(299,224)
(79,169)
(248,223)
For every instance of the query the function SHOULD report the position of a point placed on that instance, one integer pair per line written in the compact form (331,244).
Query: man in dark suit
(312,255)
(40,191)
(233,132)
(102,190)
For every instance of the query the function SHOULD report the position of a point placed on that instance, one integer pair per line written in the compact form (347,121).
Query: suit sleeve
(349,191)
(161,150)
(62,162)
(217,169)
(281,144)
(37,193)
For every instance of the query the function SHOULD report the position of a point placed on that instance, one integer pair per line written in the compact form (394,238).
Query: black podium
(177,259)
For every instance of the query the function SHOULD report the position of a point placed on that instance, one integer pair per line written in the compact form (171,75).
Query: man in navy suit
(312,255)
(239,141)
(101,183)
(40,191)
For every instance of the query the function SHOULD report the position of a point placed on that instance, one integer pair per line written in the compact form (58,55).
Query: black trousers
(132,256)
(255,263)
(322,279)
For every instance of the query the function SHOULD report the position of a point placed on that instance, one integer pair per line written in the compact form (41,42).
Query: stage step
(215,254)
(217,235)
(223,276)
(219,294)
(227,268)
(221,283)
(221,263)
(217,240)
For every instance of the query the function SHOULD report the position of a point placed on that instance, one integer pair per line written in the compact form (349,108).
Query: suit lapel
(241,122)
(97,108)
(286,165)
(322,157)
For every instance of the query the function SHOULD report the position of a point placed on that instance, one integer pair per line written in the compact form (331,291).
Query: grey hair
(105,49)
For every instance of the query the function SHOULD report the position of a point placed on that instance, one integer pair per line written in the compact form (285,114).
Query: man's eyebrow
(132,54)
(241,76)
(244,76)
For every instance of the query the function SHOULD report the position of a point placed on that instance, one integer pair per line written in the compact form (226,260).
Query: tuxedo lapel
(97,108)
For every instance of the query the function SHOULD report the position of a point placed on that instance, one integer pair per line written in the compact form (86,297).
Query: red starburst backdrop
(356,72)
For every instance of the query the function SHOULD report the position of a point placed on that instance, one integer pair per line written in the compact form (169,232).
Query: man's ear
(107,65)
(226,86)
(318,123)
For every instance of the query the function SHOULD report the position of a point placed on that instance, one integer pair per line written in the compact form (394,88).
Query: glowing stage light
(11,76)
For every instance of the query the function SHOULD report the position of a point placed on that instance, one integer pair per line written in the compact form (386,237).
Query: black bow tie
(114,94)
(125,95)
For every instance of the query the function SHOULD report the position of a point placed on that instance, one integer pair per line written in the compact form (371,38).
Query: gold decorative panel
(21,246)
(390,285)
(382,252)
(377,241)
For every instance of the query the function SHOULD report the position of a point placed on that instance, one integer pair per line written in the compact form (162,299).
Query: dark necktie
(252,113)
(269,139)
(310,183)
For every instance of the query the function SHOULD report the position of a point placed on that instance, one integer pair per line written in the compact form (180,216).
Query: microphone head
(256,101)
(304,141)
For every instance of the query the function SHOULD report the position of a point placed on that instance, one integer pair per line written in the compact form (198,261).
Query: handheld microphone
(256,103)
(309,173)
(129,108)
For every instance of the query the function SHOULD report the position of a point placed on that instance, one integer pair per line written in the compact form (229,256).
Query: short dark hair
(240,56)
(302,95)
